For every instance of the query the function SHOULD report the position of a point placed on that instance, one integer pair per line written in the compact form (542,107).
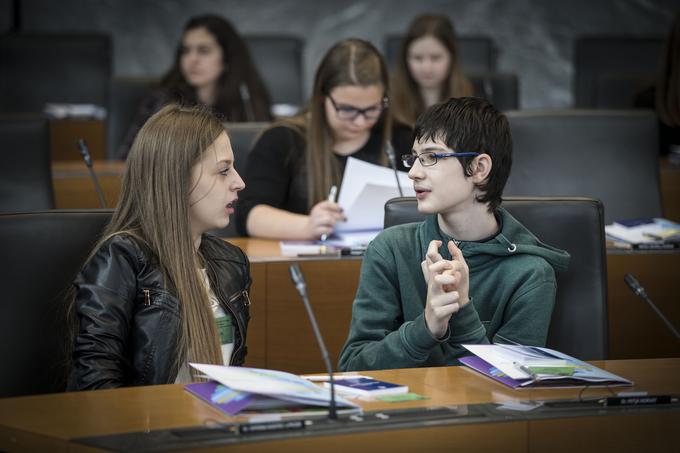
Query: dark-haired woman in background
(295,162)
(664,97)
(428,70)
(212,67)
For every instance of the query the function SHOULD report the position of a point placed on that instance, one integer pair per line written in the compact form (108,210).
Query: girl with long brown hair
(296,161)
(428,68)
(212,67)
(157,292)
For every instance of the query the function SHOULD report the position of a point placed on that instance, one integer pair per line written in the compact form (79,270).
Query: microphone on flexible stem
(389,150)
(244,92)
(639,291)
(82,146)
(299,281)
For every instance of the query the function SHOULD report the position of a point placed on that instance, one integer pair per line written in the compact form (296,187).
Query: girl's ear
(481,167)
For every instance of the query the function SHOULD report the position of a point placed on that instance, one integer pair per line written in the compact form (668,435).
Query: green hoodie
(512,293)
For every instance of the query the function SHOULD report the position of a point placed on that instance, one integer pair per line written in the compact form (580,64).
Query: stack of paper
(645,233)
(529,366)
(237,389)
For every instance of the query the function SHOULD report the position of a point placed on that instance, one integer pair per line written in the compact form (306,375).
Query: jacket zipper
(218,292)
(147,297)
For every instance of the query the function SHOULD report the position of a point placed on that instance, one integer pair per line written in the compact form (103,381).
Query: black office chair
(278,59)
(126,96)
(42,253)
(611,155)
(36,69)
(617,91)
(579,321)
(597,56)
(242,137)
(499,89)
(25,169)
(477,54)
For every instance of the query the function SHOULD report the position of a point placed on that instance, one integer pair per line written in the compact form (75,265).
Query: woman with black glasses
(295,162)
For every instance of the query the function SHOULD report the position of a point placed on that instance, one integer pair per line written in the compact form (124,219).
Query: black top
(667,135)
(276,174)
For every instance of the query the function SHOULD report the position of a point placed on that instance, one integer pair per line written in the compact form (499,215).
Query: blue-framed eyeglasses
(429,158)
(349,112)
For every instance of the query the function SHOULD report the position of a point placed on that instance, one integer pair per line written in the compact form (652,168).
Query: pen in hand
(331,197)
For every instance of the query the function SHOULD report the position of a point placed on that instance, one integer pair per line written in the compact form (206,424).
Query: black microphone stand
(389,150)
(639,291)
(299,281)
(82,146)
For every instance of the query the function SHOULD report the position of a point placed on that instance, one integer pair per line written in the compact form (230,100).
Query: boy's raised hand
(447,286)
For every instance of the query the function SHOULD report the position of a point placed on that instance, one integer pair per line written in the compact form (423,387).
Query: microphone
(639,291)
(389,150)
(244,92)
(82,146)
(299,281)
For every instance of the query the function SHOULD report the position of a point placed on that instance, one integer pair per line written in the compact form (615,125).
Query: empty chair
(477,54)
(278,59)
(499,89)
(43,252)
(579,322)
(126,96)
(36,69)
(598,58)
(25,171)
(611,155)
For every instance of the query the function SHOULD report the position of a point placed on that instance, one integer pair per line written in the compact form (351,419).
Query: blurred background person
(428,68)
(212,67)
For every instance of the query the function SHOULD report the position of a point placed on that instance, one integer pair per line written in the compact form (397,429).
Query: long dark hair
(352,62)
(239,72)
(408,102)
(668,83)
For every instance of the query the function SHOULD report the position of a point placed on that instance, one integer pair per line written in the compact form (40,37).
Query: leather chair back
(598,56)
(278,59)
(25,169)
(611,155)
(579,321)
(477,54)
(242,137)
(36,69)
(42,253)
(126,96)
(499,89)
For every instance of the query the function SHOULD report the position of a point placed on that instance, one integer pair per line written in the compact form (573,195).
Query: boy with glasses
(470,273)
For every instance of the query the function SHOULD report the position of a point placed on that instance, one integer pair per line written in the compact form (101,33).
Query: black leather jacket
(129,319)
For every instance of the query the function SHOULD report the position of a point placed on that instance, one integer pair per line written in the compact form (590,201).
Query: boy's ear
(481,167)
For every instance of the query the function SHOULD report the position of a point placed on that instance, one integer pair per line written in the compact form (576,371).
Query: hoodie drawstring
(512,248)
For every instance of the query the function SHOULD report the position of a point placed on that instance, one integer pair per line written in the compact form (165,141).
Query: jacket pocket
(158,299)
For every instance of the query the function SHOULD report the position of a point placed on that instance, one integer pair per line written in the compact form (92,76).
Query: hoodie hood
(513,239)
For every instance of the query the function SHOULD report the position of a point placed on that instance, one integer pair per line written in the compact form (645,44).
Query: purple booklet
(484,367)
(230,401)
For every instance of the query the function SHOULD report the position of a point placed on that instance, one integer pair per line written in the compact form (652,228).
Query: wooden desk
(65,133)
(49,422)
(281,337)
(634,329)
(670,189)
(74,188)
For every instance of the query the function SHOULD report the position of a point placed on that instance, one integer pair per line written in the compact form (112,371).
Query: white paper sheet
(365,189)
